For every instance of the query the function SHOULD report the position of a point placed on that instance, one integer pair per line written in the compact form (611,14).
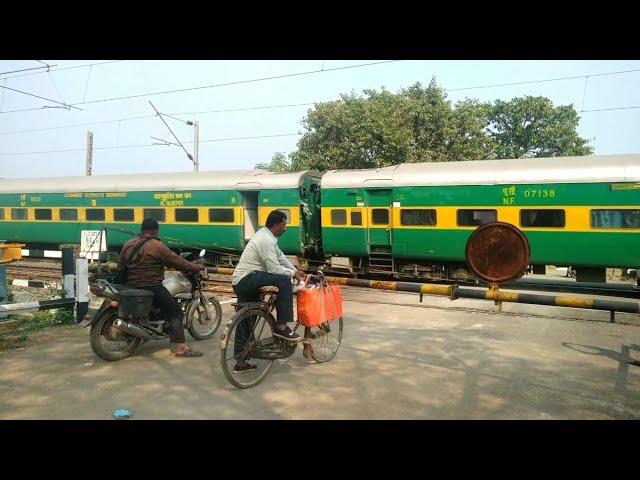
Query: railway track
(47,270)
(50,270)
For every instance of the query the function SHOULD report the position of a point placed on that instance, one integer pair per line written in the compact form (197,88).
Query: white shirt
(262,254)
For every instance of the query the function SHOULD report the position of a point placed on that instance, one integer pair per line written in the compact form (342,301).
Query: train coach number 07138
(541,193)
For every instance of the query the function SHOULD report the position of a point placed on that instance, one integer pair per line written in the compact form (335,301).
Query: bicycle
(249,336)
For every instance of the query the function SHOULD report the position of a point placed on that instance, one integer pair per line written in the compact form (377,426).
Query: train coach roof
(588,169)
(164,182)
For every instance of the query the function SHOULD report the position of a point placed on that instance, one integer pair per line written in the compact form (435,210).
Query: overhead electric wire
(26,69)
(38,96)
(542,81)
(151,145)
(56,87)
(312,103)
(66,68)
(612,108)
(76,125)
(212,86)
(174,135)
(237,82)
(266,107)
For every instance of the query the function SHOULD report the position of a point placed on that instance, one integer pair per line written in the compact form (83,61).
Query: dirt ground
(399,359)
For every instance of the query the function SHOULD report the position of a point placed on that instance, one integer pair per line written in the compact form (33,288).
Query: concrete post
(68,272)
(82,285)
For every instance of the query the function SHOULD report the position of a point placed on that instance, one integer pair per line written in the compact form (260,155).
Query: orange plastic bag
(319,305)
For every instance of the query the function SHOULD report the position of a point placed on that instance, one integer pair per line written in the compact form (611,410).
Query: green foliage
(32,323)
(47,318)
(533,127)
(419,124)
(278,163)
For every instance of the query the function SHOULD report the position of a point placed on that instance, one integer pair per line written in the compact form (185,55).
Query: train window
(222,215)
(186,214)
(356,218)
(615,219)
(19,214)
(338,217)
(1,213)
(69,214)
(287,212)
(95,214)
(43,214)
(123,214)
(469,218)
(157,214)
(418,217)
(380,216)
(542,218)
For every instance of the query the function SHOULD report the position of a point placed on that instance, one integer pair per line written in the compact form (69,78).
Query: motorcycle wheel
(196,319)
(108,342)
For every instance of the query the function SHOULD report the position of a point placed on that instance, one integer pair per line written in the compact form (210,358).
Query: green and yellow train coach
(582,212)
(215,210)
(410,219)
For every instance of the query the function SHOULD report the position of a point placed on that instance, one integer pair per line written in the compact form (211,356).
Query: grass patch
(47,318)
(8,341)
(33,323)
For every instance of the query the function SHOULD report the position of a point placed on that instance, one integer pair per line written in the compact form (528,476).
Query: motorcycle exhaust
(132,329)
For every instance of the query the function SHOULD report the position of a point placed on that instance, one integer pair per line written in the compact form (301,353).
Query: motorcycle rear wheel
(108,342)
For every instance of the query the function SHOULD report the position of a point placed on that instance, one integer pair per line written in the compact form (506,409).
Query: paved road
(399,360)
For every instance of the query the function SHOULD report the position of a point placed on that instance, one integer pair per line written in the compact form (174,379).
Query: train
(406,220)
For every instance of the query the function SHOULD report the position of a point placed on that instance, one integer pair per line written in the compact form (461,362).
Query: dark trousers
(169,309)
(247,291)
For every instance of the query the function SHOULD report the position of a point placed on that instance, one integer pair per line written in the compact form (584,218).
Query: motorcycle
(121,317)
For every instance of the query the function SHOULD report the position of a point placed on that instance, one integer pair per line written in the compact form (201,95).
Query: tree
(380,128)
(533,127)
(419,124)
(278,163)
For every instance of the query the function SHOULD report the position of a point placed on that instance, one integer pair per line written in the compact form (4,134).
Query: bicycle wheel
(248,338)
(324,340)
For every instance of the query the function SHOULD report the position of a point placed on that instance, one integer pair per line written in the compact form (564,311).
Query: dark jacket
(147,267)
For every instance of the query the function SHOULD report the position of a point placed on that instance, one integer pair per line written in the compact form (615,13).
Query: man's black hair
(149,224)
(275,217)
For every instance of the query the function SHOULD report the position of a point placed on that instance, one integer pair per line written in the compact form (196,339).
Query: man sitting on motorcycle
(263,264)
(146,272)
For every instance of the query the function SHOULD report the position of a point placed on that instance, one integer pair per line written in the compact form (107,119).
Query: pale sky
(610,131)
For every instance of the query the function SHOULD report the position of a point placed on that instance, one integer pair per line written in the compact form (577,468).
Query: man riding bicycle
(263,264)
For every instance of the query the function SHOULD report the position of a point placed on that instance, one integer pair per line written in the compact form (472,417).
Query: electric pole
(89,153)
(196,148)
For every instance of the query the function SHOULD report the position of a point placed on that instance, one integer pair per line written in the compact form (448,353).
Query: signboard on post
(92,242)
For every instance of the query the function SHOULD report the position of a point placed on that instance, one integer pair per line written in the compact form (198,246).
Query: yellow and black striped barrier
(454,292)
(10,252)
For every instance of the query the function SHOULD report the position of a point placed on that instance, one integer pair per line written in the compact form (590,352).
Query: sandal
(189,352)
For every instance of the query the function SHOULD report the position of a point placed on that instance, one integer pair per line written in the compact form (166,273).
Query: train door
(250,204)
(379,224)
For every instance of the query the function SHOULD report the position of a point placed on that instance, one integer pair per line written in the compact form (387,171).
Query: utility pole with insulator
(89,153)
(196,148)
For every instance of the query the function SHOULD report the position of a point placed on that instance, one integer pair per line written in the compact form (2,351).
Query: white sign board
(91,244)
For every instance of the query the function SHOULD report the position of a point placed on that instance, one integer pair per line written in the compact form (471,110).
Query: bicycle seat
(269,289)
